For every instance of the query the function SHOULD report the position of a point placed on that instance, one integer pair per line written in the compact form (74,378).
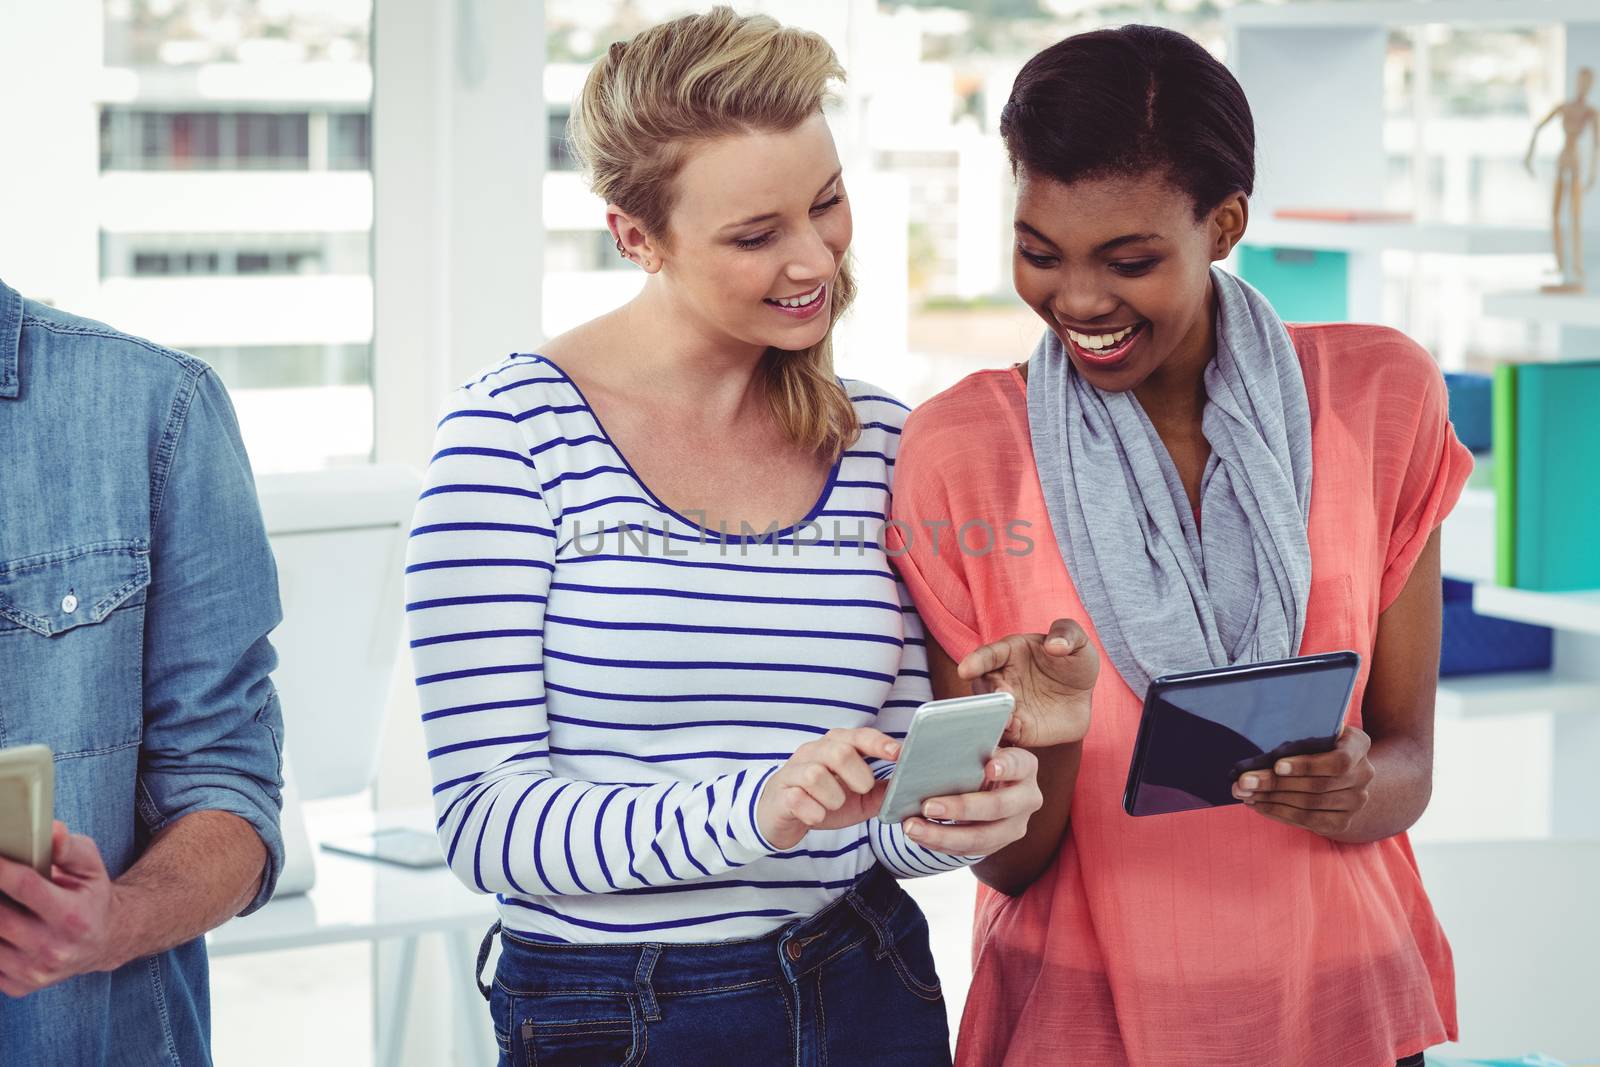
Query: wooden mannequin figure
(1576,117)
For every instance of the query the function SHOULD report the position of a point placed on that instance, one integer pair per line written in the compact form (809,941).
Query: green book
(1558,476)
(1505,474)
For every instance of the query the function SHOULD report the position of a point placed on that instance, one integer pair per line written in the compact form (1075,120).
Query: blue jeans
(852,984)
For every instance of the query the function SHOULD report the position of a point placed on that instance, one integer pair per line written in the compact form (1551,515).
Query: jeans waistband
(873,909)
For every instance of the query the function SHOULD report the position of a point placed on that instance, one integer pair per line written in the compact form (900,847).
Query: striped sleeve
(479,565)
(912,688)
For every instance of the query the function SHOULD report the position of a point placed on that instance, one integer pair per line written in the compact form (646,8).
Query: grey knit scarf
(1165,595)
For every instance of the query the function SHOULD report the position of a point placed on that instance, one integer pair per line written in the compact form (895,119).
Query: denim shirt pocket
(72,647)
(57,592)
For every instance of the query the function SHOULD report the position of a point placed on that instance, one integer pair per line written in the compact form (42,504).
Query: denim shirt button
(69,604)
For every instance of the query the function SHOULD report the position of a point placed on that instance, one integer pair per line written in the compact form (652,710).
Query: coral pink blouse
(1210,938)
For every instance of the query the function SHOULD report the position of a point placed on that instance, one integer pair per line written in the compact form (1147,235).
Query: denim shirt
(137,590)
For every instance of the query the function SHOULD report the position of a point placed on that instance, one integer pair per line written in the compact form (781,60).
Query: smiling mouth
(804,300)
(1102,339)
(1106,347)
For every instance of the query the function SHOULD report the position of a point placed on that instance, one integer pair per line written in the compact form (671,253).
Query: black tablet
(1202,729)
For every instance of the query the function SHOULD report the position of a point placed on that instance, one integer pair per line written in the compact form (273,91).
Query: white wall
(458,161)
(49,231)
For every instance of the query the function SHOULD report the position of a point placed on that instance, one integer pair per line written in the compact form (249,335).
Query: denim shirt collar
(10,340)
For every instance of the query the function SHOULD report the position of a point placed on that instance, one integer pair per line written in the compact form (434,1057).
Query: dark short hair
(1131,101)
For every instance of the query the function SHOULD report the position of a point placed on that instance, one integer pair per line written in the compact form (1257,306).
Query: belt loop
(642,983)
(879,923)
(483,957)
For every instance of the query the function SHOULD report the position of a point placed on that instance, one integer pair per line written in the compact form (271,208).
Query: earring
(623,252)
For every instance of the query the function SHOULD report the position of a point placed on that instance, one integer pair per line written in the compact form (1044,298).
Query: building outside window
(235,207)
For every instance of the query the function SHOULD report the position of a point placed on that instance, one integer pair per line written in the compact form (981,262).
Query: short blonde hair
(651,99)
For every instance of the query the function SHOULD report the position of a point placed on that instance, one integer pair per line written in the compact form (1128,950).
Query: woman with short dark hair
(1220,488)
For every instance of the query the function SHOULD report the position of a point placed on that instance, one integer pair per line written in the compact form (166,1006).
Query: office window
(235,202)
(138,254)
(252,263)
(561,156)
(145,138)
(350,141)
(288,366)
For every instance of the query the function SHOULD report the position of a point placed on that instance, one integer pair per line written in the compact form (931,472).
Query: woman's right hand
(825,785)
(1052,677)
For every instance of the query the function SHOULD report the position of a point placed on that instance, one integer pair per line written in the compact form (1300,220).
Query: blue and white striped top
(606,685)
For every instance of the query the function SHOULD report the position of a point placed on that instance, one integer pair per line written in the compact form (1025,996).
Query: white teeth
(800,301)
(1095,342)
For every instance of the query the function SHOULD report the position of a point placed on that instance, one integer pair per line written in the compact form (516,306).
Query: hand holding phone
(953,790)
(948,759)
(945,751)
(825,785)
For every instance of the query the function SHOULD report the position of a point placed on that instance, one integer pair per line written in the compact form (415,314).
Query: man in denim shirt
(136,594)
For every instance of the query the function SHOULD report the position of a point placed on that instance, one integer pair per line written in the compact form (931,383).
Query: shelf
(1445,238)
(1561,611)
(1358,13)
(1515,693)
(1467,553)
(1566,309)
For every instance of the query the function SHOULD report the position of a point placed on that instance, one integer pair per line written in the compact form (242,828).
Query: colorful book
(1472,409)
(1505,474)
(1557,489)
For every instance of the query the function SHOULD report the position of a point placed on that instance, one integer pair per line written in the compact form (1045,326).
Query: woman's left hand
(1322,793)
(988,820)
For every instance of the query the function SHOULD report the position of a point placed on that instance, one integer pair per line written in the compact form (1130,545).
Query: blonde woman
(663,660)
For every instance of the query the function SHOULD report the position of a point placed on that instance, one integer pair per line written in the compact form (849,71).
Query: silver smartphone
(27,805)
(945,750)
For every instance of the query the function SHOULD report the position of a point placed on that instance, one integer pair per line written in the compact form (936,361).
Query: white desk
(363,900)
(1522,916)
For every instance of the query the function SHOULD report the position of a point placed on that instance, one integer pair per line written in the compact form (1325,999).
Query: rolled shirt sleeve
(213,727)
(1422,467)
